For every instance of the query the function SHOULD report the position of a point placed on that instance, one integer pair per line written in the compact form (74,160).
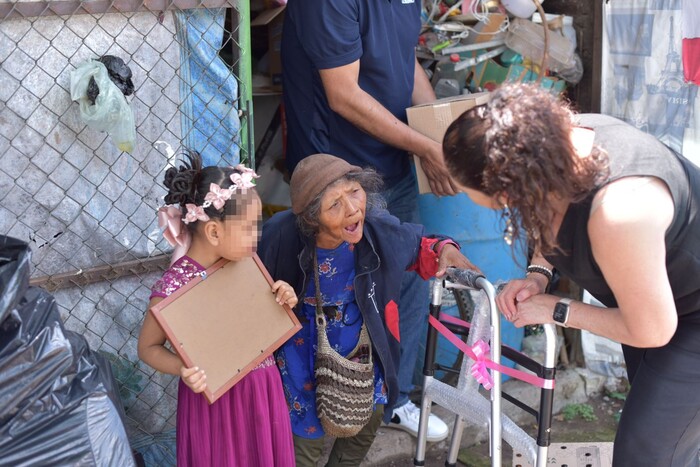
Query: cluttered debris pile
(475,45)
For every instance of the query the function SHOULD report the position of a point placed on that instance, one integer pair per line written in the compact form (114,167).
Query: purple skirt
(248,426)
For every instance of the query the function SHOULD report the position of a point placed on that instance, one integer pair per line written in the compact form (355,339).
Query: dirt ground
(591,422)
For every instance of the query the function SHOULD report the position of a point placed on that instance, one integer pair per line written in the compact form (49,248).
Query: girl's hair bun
(181,182)
(190,183)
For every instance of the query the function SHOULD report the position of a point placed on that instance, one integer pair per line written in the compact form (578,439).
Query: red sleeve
(427,263)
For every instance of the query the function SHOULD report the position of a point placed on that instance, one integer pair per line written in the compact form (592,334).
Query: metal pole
(245,75)
(428,372)
(496,429)
(546,397)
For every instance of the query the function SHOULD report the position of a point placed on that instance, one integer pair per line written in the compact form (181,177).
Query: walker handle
(465,277)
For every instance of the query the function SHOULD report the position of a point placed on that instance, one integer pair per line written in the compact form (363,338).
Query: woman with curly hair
(616,211)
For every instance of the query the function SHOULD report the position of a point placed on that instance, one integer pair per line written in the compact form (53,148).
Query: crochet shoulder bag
(344,385)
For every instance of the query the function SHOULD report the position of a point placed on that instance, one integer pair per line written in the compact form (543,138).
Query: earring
(508,231)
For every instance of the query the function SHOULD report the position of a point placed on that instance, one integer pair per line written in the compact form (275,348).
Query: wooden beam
(84,277)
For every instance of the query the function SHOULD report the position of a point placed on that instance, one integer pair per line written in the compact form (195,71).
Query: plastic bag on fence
(58,400)
(111,111)
(119,73)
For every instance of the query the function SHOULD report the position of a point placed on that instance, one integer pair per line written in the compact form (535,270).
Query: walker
(484,349)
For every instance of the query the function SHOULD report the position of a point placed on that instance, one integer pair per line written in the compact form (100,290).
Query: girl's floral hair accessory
(217,196)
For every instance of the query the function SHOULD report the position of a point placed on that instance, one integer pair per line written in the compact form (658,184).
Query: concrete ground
(396,448)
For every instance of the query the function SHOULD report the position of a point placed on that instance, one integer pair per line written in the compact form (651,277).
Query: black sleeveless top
(635,153)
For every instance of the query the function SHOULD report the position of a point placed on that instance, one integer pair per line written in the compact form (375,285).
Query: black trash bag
(119,73)
(93,90)
(58,401)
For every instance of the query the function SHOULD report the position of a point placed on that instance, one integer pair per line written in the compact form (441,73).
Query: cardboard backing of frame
(226,323)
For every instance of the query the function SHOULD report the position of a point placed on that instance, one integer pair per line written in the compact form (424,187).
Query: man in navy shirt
(349,73)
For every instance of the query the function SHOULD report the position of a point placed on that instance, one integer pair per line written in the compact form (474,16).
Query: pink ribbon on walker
(486,362)
(479,371)
(175,231)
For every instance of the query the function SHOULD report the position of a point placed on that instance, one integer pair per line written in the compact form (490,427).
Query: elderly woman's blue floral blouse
(296,357)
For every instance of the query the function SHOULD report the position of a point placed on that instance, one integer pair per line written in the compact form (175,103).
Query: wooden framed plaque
(226,322)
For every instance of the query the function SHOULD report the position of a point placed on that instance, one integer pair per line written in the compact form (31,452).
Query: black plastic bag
(58,400)
(120,74)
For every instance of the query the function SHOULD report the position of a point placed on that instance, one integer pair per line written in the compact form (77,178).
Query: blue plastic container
(479,231)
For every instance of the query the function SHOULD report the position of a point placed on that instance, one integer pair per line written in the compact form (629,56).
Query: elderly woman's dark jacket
(387,249)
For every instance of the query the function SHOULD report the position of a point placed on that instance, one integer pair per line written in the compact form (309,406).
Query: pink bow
(243,169)
(195,213)
(217,196)
(479,370)
(175,232)
(245,178)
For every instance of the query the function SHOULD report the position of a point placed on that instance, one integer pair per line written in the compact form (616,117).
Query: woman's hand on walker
(284,294)
(194,378)
(450,256)
(535,310)
(514,292)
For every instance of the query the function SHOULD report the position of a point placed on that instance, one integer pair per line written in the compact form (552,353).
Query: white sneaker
(407,416)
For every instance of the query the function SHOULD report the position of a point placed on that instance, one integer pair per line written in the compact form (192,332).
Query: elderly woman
(617,211)
(338,235)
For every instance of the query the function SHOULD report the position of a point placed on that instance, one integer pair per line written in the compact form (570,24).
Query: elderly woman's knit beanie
(313,175)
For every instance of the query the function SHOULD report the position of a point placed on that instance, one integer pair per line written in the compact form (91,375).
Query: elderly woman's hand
(450,256)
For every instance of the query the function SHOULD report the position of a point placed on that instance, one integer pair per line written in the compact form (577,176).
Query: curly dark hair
(189,183)
(519,146)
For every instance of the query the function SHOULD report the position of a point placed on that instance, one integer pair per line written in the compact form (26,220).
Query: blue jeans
(402,202)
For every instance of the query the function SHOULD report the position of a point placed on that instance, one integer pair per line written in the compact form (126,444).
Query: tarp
(643,79)
(58,401)
(208,89)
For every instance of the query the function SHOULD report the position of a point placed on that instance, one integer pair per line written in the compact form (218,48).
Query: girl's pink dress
(248,426)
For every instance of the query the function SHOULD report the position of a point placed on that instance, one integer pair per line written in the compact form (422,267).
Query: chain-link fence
(87,209)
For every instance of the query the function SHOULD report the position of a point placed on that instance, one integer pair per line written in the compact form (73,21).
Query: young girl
(213,213)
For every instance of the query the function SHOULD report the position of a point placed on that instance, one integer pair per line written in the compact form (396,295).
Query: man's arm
(423,91)
(346,98)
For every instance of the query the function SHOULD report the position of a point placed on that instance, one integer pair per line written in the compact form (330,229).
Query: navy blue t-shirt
(323,34)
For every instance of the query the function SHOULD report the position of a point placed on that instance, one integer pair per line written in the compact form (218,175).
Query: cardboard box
(273,20)
(433,119)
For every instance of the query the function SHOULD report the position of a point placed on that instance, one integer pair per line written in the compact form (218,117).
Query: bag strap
(320,317)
